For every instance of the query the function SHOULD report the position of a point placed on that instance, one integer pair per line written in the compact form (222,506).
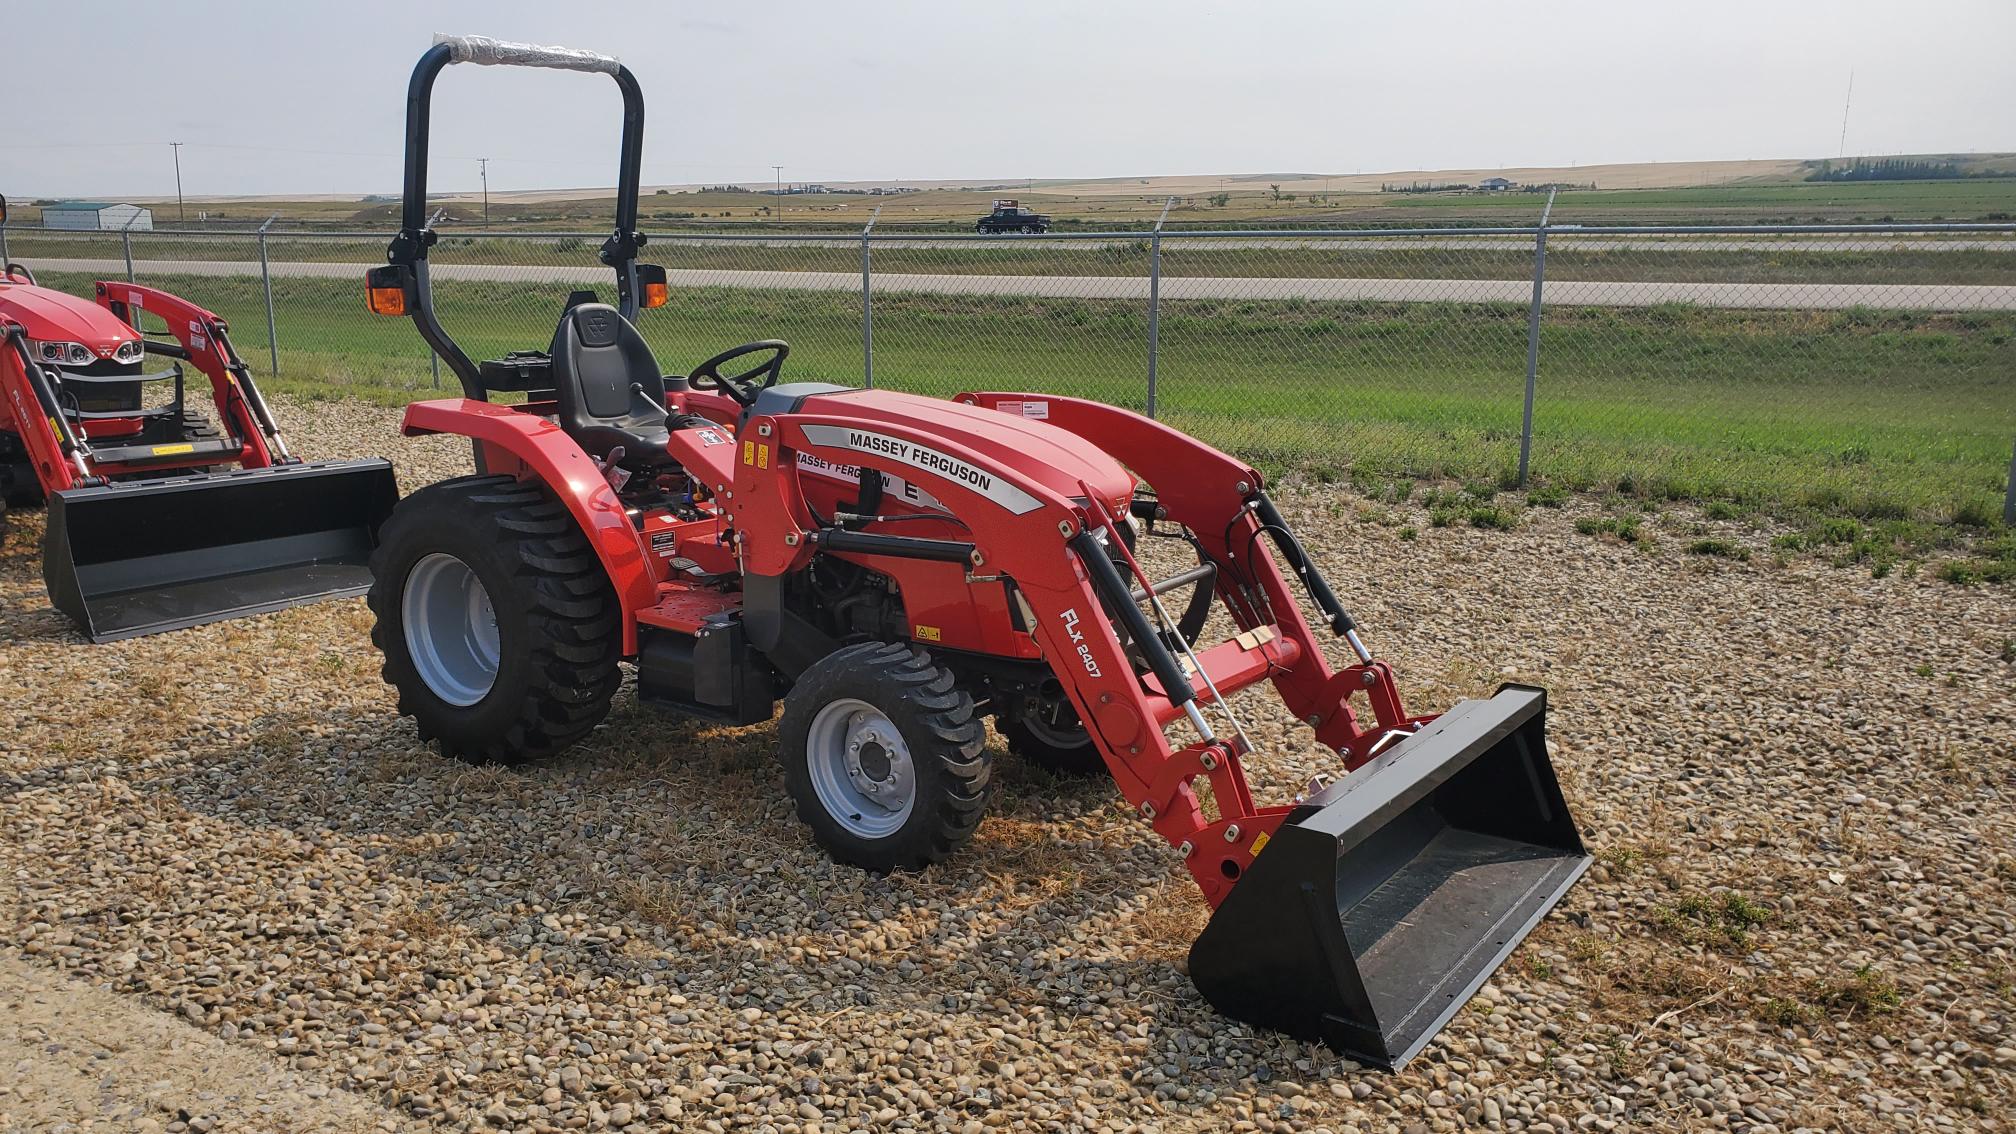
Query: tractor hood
(48,315)
(1027,445)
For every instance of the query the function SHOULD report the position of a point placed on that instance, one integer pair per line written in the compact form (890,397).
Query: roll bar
(407,254)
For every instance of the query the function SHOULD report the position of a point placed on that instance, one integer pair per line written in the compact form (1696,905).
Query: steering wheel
(743,387)
(20,271)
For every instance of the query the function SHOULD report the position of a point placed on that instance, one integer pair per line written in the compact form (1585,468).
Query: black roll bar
(409,248)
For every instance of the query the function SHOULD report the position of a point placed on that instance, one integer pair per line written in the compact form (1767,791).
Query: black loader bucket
(142,557)
(1382,905)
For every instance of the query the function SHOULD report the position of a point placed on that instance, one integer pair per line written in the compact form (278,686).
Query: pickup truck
(1010,216)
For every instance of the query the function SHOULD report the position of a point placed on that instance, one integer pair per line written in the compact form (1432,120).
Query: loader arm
(203,340)
(1219,499)
(1051,549)
(1391,895)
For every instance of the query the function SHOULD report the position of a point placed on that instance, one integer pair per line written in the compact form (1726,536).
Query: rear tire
(540,674)
(884,757)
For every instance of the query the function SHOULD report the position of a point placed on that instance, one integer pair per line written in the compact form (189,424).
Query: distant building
(96,215)
(1494,184)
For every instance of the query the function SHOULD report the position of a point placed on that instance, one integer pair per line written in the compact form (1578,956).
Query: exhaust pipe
(1383,903)
(137,558)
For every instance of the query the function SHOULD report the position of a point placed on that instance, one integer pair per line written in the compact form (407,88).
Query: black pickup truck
(1010,216)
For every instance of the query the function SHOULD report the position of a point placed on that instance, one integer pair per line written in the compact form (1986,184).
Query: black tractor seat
(608,387)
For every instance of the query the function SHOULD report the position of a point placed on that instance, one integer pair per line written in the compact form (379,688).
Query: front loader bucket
(1381,906)
(142,557)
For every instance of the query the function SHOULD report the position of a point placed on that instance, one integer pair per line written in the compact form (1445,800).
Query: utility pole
(779,170)
(181,214)
(1845,104)
(484,162)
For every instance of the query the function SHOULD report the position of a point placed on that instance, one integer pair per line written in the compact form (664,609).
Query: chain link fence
(1869,368)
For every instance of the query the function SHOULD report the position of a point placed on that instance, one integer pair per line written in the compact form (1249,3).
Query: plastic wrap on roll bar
(488,52)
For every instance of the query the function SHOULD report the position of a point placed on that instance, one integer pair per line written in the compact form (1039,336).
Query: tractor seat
(608,387)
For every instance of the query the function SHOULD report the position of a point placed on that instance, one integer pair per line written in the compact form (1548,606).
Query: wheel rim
(451,629)
(861,768)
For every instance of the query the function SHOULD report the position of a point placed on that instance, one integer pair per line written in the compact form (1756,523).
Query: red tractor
(896,569)
(151,527)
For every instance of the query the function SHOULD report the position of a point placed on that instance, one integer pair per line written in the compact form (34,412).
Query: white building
(97,215)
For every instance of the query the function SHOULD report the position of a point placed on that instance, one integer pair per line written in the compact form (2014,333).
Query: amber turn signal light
(652,291)
(385,290)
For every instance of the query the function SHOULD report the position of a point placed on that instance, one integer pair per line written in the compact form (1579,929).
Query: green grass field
(1884,415)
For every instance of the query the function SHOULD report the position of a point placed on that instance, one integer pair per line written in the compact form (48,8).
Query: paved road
(1569,293)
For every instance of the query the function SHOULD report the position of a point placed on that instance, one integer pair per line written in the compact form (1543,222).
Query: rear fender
(533,448)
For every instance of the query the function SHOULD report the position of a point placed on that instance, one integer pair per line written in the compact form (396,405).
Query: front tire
(884,757)
(498,625)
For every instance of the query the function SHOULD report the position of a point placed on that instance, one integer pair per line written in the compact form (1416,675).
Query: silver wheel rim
(451,629)
(861,768)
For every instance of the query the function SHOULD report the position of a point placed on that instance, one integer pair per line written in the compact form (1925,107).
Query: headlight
(73,354)
(130,351)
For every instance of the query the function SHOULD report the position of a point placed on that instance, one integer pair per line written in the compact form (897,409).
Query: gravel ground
(1797,779)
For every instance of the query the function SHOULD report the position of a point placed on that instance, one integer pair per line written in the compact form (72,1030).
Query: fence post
(126,244)
(1155,301)
(2009,497)
(868,306)
(266,282)
(1533,338)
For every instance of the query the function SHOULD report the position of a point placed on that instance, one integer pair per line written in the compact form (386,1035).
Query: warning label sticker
(1031,408)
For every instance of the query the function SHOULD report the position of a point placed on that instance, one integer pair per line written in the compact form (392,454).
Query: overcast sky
(302,97)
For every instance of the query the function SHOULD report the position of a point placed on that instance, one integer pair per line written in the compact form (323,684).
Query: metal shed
(97,215)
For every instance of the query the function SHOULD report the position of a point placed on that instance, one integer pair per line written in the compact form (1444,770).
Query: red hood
(1052,457)
(49,315)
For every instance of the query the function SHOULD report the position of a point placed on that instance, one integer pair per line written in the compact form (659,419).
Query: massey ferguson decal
(1078,640)
(930,460)
(891,483)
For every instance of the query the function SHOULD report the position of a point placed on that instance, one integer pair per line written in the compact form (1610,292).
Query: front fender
(533,448)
